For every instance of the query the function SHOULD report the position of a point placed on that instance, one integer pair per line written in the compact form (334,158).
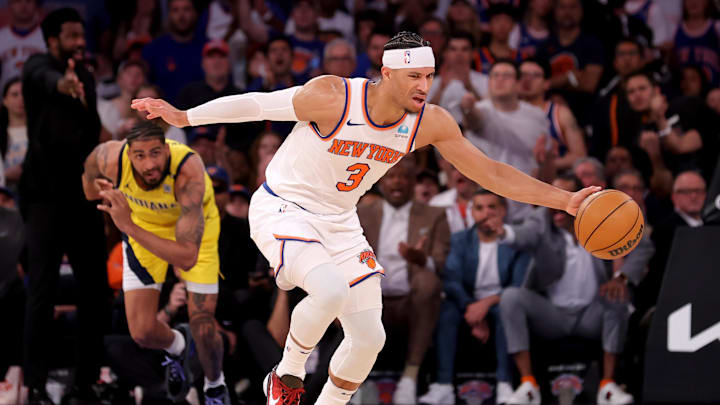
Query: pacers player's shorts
(295,241)
(142,269)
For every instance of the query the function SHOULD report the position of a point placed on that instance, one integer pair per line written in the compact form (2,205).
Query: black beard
(149,186)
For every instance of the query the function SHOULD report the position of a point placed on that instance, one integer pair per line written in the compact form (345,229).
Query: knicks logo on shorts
(367,257)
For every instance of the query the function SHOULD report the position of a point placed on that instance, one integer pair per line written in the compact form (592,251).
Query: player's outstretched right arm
(318,100)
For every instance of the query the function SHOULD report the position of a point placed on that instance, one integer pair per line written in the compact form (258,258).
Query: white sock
(332,395)
(293,360)
(212,384)
(178,344)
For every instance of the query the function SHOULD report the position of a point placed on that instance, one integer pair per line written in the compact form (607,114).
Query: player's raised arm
(100,167)
(318,100)
(441,130)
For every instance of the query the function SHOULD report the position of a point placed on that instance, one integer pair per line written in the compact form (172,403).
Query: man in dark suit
(688,197)
(480,265)
(411,241)
(569,293)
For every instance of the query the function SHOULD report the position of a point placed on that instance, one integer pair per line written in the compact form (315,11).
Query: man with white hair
(339,58)
(303,218)
(590,171)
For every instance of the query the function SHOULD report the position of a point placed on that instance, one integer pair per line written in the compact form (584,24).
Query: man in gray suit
(568,293)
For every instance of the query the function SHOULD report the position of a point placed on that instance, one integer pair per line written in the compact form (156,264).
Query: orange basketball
(609,224)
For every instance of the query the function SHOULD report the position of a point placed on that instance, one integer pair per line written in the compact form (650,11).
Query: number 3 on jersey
(359,170)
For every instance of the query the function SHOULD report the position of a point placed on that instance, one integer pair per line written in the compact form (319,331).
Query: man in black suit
(688,196)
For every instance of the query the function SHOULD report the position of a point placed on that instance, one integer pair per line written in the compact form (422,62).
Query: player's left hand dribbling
(115,204)
(578,197)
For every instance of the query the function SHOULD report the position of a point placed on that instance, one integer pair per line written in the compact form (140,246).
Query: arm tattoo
(191,223)
(96,163)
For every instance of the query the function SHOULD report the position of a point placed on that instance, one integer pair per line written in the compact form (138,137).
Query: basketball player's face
(411,86)
(149,159)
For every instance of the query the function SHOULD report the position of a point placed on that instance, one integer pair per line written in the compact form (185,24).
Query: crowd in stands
(621,94)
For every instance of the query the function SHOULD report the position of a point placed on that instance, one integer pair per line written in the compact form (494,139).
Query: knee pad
(364,338)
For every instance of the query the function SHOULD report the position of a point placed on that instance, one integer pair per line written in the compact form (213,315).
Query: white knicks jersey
(327,174)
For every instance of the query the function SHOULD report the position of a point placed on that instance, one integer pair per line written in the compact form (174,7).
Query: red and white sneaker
(278,393)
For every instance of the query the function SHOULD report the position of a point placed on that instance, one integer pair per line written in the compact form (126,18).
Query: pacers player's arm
(190,226)
(440,129)
(320,100)
(100,168)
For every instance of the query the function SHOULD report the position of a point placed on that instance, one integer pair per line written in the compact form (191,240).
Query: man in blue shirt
(174,58)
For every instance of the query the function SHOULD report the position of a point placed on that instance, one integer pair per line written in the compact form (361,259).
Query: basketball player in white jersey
(349,133)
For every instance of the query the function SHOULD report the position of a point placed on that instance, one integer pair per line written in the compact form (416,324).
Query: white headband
(409,58)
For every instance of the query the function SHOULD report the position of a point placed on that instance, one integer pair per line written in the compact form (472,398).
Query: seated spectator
(339,58)
(583,298)
(477,270)
(302,29)
(427,186)
(590,172)
(221,187)
(500,24)
(171,132)
(13,132)
(12,290)
(530,34)
(688,196)
(576,59)
(618,160)
(174,58)
(116,115)
(456,76)
(505,127)
(456,200)
(697,38)
(564,130)
(411,241)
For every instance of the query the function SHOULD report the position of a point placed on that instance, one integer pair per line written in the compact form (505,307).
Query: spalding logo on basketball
(609,224)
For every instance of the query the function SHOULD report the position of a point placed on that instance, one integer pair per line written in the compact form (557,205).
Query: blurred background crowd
(622,94)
